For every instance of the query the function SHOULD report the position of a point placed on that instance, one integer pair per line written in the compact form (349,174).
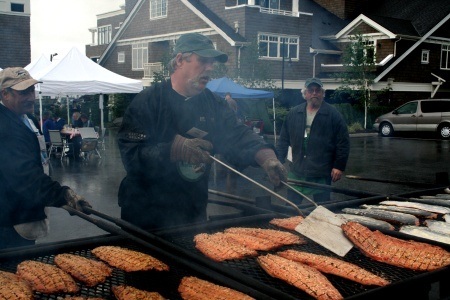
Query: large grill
(176,248)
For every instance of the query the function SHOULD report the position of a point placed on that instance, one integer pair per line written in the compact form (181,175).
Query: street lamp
(52,55)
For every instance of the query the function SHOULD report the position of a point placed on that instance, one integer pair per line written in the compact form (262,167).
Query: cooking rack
(247,270)
(165,283)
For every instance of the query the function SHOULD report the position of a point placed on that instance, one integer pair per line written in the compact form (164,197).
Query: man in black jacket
(319,139)
(167,136)
(25,189)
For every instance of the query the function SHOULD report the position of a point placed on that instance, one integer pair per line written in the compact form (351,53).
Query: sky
(59,25)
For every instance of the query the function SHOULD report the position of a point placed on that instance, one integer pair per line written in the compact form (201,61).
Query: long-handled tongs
(258,184)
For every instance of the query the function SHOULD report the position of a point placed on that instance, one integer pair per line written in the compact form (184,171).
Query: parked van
(432,115)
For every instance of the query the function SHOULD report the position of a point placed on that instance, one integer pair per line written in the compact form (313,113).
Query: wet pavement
(397,159)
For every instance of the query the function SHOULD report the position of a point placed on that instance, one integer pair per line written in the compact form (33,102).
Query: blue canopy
(223,85)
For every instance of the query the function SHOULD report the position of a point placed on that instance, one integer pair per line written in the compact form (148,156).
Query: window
(445,57)
(120,57)
(363,53)
(425,57)
(408,108)
(272,46)
(241,2)
(435,106)
(17,7)
(104,35)
(272,4)
(158,9)
(139,56)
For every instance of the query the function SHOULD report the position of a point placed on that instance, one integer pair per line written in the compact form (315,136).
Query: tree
(358,60)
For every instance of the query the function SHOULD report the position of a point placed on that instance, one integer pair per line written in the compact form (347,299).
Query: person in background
(59,122)
(168,136)
(318,136)
(85,122)
(49,124)
(26,189)
(76,121)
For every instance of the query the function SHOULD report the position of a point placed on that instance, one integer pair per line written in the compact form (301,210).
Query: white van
(432,115)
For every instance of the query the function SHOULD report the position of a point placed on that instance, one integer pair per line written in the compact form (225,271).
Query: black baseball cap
(200,45)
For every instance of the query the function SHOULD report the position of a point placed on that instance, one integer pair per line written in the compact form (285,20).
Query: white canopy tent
(75,74)
(37,65)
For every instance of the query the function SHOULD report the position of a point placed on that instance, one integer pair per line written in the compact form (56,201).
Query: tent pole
(68,114)
(100,105)
(274,121)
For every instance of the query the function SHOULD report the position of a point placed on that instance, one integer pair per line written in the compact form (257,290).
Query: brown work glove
(267,159)
(193,151)
(75,201)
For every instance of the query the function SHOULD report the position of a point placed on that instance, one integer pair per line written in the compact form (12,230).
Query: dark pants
(319,197)
(9,238)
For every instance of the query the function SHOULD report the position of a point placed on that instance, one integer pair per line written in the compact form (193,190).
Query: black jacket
(24,187)
(155,193)
(328,143)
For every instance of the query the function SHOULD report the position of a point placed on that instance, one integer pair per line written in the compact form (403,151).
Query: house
(408,39)
(15,29)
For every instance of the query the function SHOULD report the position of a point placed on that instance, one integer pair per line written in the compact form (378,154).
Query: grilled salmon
(81,298)
(46,278)
(128,260)
(394,251)
(287,223)
(217,247)
(251,242)
(277,236)
(335,266)
(89,271)
(299,275)
(12,287)
(193,288)
(126,292)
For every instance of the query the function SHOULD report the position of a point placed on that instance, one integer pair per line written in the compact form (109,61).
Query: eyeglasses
(312,91)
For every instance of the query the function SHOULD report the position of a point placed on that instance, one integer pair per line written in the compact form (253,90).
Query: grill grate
(165,283)
(249,266)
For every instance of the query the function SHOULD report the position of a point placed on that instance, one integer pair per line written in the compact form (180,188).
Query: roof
(412,17)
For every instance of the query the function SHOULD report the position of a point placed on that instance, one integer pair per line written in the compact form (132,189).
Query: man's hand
(267,159)
(194,151)
(75,201)
(336,174)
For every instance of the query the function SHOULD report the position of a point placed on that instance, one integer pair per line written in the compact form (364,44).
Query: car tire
(386,130)
(444,131)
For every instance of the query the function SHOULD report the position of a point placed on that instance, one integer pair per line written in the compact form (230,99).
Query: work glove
(194,151)
(267,159)
(75,201)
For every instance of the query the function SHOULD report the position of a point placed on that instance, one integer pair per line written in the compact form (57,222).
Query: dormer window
(158,9)
(425,57)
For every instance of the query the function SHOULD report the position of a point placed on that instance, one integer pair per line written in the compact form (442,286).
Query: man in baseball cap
(26,188)
(313,80)
(200,45)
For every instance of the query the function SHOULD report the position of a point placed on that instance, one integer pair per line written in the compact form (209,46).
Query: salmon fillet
(193,288)
(46,278)
(126,292)
(299,275)
(394,251)
(251,242)
(287,223)
(335,266)
(12,287)
(217,247)
(89,271)
(128,260)
(277,236)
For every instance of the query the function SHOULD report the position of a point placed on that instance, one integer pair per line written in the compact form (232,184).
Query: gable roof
(225,30)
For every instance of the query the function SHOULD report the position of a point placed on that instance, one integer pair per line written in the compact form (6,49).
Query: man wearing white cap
(318,136)
(25,189)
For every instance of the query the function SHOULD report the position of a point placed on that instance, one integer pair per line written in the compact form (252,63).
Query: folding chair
(56,141)
(89,141)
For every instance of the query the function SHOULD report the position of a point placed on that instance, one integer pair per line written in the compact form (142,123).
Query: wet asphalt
(406,163)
